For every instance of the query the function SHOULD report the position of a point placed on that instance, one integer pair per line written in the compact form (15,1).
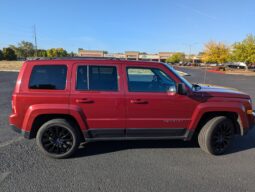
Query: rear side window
(97,78)
(48,77)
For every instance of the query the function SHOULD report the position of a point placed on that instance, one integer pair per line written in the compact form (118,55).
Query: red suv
(65,102)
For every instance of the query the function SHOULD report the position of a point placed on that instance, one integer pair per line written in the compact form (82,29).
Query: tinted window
(48,77)
(82,81)
(99,78)
(149,80)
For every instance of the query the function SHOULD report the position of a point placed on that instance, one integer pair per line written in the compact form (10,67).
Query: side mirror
(181,89)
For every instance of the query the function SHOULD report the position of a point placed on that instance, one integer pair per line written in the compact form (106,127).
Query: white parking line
(10,142)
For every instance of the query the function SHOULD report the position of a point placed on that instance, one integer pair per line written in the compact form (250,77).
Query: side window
(149,80)
(48,77)
(97,78)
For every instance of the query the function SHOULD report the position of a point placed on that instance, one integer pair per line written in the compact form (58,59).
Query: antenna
(35,40)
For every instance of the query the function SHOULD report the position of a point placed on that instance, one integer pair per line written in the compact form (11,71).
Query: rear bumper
(25,134)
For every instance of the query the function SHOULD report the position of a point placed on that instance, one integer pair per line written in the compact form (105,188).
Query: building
(91,53)
(128,55)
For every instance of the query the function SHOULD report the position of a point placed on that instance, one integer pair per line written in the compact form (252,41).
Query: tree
(9,54)
(41,53)
(24,49)
(1,55)
(216,52)
(176,58)
(244,51)
(56,52)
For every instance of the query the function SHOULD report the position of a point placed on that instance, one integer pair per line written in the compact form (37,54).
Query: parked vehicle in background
(237,65)
(63,102)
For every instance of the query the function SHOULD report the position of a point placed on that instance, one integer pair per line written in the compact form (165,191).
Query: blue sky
(120,25)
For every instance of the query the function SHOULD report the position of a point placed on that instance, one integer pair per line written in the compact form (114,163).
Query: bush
(9,54)
(1,55)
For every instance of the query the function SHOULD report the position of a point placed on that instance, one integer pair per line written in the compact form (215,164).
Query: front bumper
(25,134)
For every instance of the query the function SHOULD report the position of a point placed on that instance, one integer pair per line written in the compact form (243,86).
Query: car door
(97,90)
(153,106)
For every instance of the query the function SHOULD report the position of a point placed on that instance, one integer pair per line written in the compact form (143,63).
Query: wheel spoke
(57,140)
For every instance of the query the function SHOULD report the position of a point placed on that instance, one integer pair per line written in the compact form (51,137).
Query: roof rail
(82,58)
(74,58)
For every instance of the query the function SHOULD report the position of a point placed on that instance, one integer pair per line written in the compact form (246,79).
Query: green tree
(176,58)
(57,52)
(24,49)
(1,55)
(41,53)
(216,52)
(9,54)
(244,51)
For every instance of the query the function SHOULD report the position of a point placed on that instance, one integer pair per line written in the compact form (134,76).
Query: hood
(219,91)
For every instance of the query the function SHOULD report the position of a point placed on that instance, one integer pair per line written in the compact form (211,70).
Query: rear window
(97,78)
(48,77)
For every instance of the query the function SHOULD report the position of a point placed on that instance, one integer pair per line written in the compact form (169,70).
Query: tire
(216,135)
(57,139)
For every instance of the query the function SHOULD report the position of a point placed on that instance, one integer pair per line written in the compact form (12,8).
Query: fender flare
(203,108)
(61,109)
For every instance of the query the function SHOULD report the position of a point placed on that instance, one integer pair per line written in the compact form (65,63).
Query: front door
(153,106)
(97,90)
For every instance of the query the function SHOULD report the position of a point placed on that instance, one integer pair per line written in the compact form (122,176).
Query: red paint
(122,109)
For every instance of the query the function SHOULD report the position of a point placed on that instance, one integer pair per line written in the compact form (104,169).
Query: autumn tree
(215,52)
(244,51)
(176,58)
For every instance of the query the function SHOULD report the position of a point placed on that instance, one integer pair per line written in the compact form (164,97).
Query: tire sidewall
(212,130)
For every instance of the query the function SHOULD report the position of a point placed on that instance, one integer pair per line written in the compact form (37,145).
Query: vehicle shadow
(103,147)
(240,143)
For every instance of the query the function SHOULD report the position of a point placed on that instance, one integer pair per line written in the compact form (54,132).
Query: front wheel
(216,135)
(57,138)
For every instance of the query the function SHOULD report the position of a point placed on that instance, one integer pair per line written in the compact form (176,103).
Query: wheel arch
(234,111)
(36,115)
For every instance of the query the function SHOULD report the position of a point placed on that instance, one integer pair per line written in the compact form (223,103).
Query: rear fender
(44,109)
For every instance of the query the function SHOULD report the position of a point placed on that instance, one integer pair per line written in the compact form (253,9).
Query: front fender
(203,108)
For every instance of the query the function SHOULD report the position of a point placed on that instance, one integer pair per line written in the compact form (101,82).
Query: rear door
(98,90)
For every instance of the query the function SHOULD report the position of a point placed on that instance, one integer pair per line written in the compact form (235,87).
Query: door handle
(138,101)
(85,100)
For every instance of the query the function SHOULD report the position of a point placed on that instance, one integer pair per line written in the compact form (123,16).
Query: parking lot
(127,166)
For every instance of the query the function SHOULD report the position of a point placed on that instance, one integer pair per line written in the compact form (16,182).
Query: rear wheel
(216,135)
(57,138)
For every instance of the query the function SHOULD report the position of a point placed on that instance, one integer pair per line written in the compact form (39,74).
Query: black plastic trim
(25,134)
(104,134)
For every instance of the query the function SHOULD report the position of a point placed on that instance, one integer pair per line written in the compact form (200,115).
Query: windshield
(179,76)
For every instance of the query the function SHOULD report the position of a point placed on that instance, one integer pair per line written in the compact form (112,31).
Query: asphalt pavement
(127,166)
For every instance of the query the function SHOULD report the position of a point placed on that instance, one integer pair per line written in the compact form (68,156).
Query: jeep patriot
(63,102)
